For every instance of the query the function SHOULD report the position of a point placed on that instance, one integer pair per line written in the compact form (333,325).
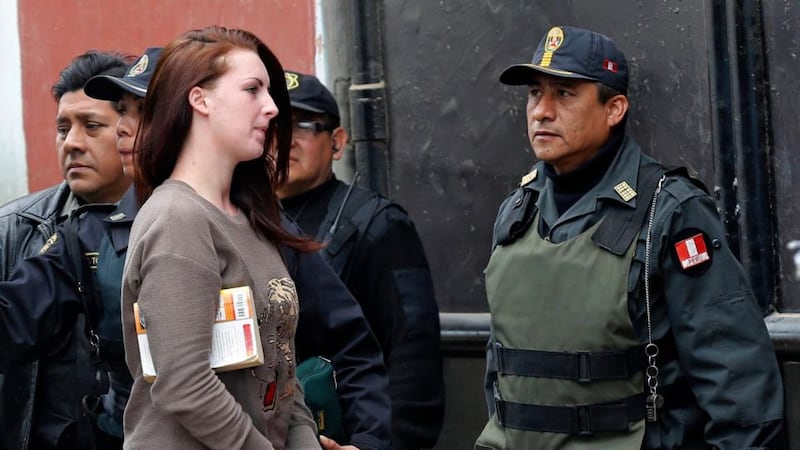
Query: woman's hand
(330,444)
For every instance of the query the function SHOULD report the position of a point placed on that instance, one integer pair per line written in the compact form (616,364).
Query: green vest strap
(587,419)
(613,416)
(582,367)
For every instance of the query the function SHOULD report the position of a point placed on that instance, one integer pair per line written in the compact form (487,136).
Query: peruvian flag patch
(692,251)
(610,66)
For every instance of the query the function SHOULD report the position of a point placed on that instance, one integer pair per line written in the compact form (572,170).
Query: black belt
(613,416)
(578,419)
(582,367)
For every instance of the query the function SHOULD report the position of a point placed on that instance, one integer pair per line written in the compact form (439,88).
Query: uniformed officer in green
(620,317)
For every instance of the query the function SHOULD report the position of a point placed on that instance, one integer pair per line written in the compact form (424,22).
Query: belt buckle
(584,367)
(498,358)
(498,404)
(581,420)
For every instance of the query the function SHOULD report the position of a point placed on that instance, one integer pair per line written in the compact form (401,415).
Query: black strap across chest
(350,211)
(83,276)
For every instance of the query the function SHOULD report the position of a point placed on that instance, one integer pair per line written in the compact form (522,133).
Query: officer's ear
(339,137)
(616,107)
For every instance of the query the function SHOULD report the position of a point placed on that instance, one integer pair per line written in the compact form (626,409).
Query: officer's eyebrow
(566,82)
(81,117)
(555,81)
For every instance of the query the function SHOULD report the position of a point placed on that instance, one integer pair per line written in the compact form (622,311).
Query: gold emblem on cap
(528,177)
(139,67)
(554,39)
(625,191)
(292,81)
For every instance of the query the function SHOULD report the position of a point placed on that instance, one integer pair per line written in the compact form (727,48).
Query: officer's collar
(304,197)
(568,188)
(587,175)
(126,208)
(71,204)
(620,181)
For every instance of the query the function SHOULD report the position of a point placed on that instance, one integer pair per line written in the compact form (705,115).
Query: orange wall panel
(52,32)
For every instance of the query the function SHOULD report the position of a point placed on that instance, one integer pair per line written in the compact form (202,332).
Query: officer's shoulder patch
(625,191)
(692,251)
(528,177)
(49,243)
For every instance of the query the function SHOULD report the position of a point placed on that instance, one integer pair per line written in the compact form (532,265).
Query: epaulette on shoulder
(529,177)
(683,185)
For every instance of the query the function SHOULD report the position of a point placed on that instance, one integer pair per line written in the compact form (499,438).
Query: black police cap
(571,52)
(135,80)
(306,92)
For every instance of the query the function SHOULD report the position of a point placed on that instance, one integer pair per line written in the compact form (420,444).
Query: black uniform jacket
(39,401)
(332,325)
(376,250)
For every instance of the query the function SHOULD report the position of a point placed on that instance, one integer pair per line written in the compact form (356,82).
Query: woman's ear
(616,106)
(197,100)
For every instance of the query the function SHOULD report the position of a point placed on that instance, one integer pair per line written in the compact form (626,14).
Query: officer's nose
(75,140)
(542,107)
(124,126)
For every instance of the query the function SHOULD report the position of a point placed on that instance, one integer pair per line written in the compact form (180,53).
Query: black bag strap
(83,278)
(83,283)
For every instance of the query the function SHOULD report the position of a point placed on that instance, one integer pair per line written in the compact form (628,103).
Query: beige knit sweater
(182,251)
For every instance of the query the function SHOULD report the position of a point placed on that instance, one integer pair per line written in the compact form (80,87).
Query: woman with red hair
(214,143)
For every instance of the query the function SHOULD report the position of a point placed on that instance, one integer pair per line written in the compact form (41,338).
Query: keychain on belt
(654,399)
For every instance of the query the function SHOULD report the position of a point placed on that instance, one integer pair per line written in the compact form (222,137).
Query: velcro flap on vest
(343,234)
(515,217)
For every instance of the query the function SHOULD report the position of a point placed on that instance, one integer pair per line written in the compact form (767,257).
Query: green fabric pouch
(318,380)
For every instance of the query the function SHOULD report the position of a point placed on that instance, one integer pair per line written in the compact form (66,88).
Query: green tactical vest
(560,297)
